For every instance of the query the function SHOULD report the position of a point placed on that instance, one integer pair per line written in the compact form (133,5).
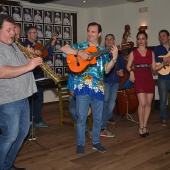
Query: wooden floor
(126,151)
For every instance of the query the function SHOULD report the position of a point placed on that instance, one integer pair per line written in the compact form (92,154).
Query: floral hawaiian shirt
(90,81)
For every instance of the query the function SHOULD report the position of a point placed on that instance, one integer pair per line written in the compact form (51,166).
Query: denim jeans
(72,108)
(110,95)
(163,88)
(14,123)
(82,105)
(37,104)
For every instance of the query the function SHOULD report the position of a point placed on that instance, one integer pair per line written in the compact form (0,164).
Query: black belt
(142,65)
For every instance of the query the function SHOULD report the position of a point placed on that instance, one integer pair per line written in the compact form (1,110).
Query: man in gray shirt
(16,85)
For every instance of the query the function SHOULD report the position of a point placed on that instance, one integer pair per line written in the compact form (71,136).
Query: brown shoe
(164,123)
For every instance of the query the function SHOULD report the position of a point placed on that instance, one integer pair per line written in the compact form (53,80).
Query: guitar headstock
(55,35)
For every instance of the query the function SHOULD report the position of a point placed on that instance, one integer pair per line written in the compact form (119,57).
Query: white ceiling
(90,3)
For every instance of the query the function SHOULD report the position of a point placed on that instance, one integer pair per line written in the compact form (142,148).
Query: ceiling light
(135,0)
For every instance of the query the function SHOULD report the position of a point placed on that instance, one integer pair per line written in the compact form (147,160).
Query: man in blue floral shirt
(89,86)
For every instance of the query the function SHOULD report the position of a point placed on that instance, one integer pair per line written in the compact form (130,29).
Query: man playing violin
(89,86)
(31,38)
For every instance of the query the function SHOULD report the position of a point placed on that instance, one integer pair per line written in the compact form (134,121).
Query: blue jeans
(110,95)
(14,123)
(72,108)
(82,105)
(163,88)
(37,104)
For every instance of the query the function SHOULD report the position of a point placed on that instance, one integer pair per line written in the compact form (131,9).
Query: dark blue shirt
(112,76)
(161,50)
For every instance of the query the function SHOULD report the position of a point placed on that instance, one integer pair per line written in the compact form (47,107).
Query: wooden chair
(63,94)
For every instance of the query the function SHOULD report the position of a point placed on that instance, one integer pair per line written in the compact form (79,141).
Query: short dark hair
(142,32)
(27,29)
(109,35)
(165,31)
(95,24)
(7,18)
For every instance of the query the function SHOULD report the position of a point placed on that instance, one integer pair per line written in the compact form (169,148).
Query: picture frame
(27,14)
(66,32)
(58,30)
(26,24)
(16,13)
(40,30)
(58,60)
(57,17)
(66,18)
(5,9)
(59,71)
(48,17)
(38,15)
(48,30)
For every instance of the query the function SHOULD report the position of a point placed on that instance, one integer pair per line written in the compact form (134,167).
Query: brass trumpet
(43,66)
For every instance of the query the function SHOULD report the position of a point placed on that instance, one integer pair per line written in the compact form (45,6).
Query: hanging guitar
(166,69)
(43,48)
(77,64)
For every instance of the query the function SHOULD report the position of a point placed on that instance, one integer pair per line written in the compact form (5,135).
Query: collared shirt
(158,51)
(112,76)
(90,82)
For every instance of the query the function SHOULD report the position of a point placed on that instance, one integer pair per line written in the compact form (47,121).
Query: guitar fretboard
(99,53)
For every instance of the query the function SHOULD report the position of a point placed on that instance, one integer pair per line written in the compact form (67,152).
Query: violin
(43,48)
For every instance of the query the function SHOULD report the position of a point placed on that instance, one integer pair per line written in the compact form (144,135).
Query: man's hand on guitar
(54,38)
(84,55)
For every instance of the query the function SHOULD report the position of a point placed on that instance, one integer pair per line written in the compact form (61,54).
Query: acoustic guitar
(77,64)
(166,69)
(43,48)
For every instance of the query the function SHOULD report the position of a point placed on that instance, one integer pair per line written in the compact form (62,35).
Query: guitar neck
(45,46)
(99,53)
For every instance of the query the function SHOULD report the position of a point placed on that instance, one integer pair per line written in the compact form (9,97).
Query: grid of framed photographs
(47,22)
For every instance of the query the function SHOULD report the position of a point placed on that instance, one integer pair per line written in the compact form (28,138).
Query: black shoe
(142,135)
(15,168)
(147,132)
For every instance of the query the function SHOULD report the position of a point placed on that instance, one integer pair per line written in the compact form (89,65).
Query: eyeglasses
(33,32)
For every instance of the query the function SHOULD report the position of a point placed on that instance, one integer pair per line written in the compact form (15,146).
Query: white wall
(114,18)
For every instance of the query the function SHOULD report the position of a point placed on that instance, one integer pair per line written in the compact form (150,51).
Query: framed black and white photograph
(57,18)
(48,30)
(66,19)
(59,71)
(67,42)
(58,30)
(39,30)
(27,14)
(48,17)
(5,9)
(66,71)
(50,60)
(58,59)
(38,15)
(16,13)
(26,24)
(66,32)
(58,45)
